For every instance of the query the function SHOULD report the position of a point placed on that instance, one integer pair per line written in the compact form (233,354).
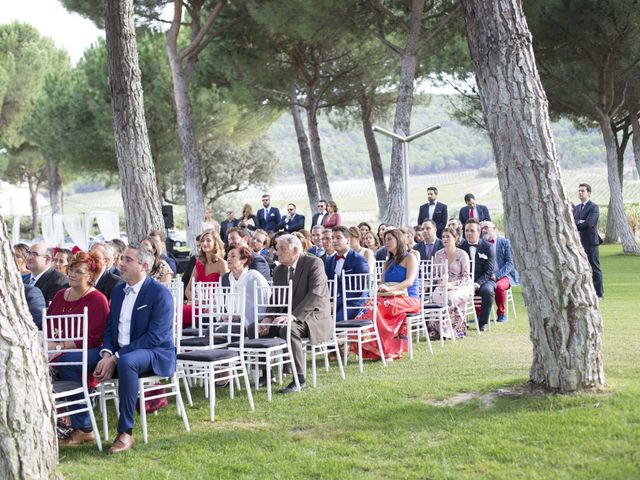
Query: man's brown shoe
(123,442)
(77,437)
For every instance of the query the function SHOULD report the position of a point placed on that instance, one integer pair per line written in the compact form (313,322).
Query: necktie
(471,215)
(128,290)
(291,273)
(429,250)
(266,213)
(32,280)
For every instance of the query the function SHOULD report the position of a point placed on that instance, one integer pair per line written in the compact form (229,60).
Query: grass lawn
(398,422)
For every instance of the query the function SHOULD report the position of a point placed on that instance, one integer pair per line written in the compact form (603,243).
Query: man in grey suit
(309,303)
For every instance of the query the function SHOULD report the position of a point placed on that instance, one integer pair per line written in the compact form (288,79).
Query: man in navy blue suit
(268,216)
(431,244)
(138,338)
(344,261)
(434,210)
(586,216)
(473,210)
(483,258)
(292,221)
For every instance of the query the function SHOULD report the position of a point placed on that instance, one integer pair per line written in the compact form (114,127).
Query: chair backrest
(379,270)
(272,301)
(358,289)
(61,329)
(202,301)
(438,278)
(332,285)
(229,310)
(176,287)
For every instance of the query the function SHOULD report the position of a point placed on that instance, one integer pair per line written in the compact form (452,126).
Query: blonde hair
(218,246)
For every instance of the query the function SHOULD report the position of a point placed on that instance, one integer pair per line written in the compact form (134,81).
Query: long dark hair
(401,249)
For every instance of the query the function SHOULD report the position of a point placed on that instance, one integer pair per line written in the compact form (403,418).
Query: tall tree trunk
(137,175)
(54,181)
(305,154)
(611,234)
(558,289)
(27,423)
(635,125)
(402,121)
(33,199)
(194,191)
(616,203)
(316,151)
(374,153)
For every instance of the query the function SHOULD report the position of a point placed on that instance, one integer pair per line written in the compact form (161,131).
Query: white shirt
(340,263)
(432,209)
(320,219)
(126,312)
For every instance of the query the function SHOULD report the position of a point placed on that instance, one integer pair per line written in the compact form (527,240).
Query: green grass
(387,423)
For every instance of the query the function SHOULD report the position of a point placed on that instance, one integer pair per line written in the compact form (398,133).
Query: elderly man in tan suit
(310,303)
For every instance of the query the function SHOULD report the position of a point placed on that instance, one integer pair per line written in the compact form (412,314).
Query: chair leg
(143,412)
(247,384)
(380,349)
(410,337)
(313,366)
(187,390)
(268,363)
(345,356)
(182,411)
(360,363)
(212,393)
(92,417)
(103,407)
(340,367)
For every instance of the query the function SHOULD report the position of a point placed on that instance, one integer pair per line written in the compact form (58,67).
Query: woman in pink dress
(210,266)
(333,219)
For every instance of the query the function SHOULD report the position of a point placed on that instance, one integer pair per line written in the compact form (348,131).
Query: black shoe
(263,382)
(293,388)
(484,328)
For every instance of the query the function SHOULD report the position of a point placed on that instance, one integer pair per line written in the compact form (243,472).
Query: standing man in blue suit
(434,210)
(293,221)
(473,210)
(138,338)
(586,215)
(268,216)
(345,261)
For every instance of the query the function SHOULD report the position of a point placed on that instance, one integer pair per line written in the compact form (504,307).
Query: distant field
(356,198)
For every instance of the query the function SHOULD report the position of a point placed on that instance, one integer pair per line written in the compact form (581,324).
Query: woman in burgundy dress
(210,266)
(333,219)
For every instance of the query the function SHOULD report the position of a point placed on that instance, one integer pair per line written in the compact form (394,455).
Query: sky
(69,31)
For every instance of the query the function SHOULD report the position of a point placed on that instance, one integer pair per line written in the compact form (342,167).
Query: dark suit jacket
(50,283)
(381,254)
(106,282)
(588,230)
(271,224)
(261,264)
(353,263)
(422,248)
(481,213)
(35,302)
(310,300)
(226,225)
(484,261)
(295,224)
(314,219)
(440,216)
(151,325)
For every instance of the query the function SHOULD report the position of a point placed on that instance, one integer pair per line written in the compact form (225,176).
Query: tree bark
(374,153)
(27,417)
(402,120)
(635,125)
(137,174)
(565,323)
(54,181)
(616,202)
(611,234)
(33,199)
(316,150)
(305,154)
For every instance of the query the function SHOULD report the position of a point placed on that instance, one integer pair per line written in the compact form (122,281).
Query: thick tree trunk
(194,190)
(635,139)
(27,416)
(33,199)
(611,234)
(566,326)
(305,154)
(316,151)
(396,205)
(54,181)
(137,175)
(374,153)
(616,203)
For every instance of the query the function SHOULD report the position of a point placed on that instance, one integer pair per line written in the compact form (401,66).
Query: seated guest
(430,244)
(400,273)
(139,337)
(83,270)
(21,252)
(274,241)
(209,267)
(260,243)
(344,261)
(239,237)
(304,242)
(408,238)
(311,309)
(418,236)
(356,246)
(382,252)
(43,275)
(119,247)
(370,241)
(505,274)
(105,279)
(333,217)
(35,302)
(228,223)
(460,286)
(473,210)
(162,243)
(238,276)
(364,228)
(380,234)
(248,220)
(327,244)
(209,222)
(316,239)
(61,260)
(292,221)
(457,226)
(482,258)
(160,271)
